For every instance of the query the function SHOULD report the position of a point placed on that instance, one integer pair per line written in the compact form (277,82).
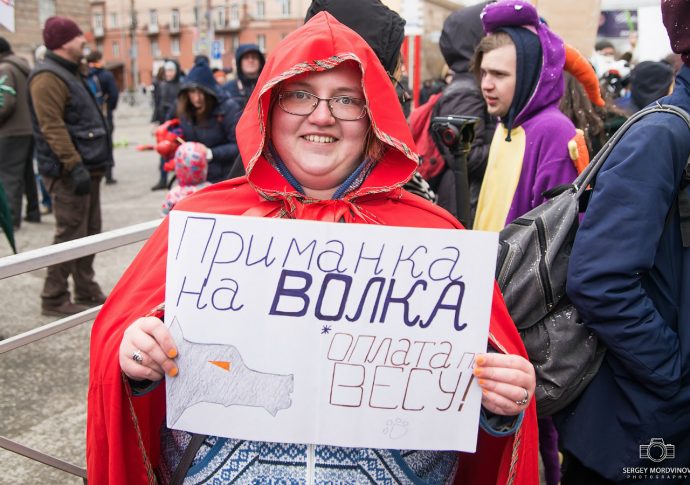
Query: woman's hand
(507,382)
(147,350)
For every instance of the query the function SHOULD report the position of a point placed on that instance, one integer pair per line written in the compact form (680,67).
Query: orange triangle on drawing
(221,364)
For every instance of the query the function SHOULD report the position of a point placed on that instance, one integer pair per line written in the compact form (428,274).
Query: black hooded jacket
(241,89)
(461,34)
(383,29)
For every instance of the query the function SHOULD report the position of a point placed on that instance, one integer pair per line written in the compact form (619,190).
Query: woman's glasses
(302,103)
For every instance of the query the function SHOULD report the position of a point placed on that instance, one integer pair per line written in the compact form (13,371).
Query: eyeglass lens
(301,103)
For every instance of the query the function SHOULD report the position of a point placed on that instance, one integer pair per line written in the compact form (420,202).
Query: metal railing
(47,256)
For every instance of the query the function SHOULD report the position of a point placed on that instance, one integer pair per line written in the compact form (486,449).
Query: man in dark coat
(249,62)
(629,277)
(74,149)
(16,137)
(461,34)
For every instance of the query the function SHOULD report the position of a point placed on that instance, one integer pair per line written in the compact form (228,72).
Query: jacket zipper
(310,464)
(543,271)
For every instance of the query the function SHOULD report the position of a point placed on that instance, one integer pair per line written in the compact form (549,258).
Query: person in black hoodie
(164,100)
(461,34)
(249,62)
(208,116)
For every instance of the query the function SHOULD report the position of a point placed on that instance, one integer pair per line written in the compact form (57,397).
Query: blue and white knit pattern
(229,461)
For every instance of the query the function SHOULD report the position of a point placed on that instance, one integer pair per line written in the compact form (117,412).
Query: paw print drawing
(395,428)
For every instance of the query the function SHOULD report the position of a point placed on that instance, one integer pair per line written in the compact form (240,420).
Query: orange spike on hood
(578,65)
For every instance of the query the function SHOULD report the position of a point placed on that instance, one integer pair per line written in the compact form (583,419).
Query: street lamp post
(133,47)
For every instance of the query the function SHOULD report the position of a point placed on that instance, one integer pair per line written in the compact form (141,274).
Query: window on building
(260,9)
(153,18)
(235,42)
(98,23)
(99,46)
(116,49)
(46,8)
(197,16)
(219,18)
(155,49)
(285,5)
(261,41)
(175,20)
(175,46)
(112,22)
(234,13)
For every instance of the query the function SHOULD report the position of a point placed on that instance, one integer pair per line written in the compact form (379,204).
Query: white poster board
(336,334)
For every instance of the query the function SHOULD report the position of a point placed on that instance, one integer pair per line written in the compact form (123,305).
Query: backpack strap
(187,458)
(683,203)
(590,172)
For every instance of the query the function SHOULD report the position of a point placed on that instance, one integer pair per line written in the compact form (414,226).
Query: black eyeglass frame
(328,103)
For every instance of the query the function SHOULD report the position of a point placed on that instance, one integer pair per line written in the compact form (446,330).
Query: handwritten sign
(336,334)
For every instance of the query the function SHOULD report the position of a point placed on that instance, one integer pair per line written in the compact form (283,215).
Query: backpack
(431,160)
(531,271)
(94,85)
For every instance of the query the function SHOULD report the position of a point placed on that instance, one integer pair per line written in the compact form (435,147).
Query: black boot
(161,185)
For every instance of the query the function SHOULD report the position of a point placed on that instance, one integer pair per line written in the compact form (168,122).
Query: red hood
(122,433)
(327,43)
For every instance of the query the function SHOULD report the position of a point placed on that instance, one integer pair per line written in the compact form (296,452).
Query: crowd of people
(318,130)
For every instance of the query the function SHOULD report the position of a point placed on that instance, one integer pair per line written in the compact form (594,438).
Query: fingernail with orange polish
(481,360)
(482,382)
(172,353)
(173,372)
(477,371)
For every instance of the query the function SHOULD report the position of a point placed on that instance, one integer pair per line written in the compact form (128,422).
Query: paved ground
(43,386)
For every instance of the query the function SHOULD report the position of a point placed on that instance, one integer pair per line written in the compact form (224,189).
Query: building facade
(181,29)
(30,15)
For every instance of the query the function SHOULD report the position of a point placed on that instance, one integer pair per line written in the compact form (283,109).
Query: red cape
(123,433)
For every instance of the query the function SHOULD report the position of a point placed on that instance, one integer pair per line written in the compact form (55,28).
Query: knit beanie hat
(58,31)
(382,28)
(191,165)
(676,16)
(650,81)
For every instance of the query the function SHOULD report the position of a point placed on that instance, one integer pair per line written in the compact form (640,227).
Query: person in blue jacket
(209,117)
(629,277)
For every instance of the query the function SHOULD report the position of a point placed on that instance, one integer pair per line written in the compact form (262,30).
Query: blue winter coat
(629,276)
(218,134)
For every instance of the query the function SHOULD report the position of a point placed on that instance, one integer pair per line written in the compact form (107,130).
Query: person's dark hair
(185,108)
(487,44)
(578,108)
(160,74)
(603,44)
(5,47)
(201,57)
(94,56)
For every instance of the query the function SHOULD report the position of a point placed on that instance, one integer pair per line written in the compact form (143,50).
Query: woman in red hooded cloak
(321,97)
